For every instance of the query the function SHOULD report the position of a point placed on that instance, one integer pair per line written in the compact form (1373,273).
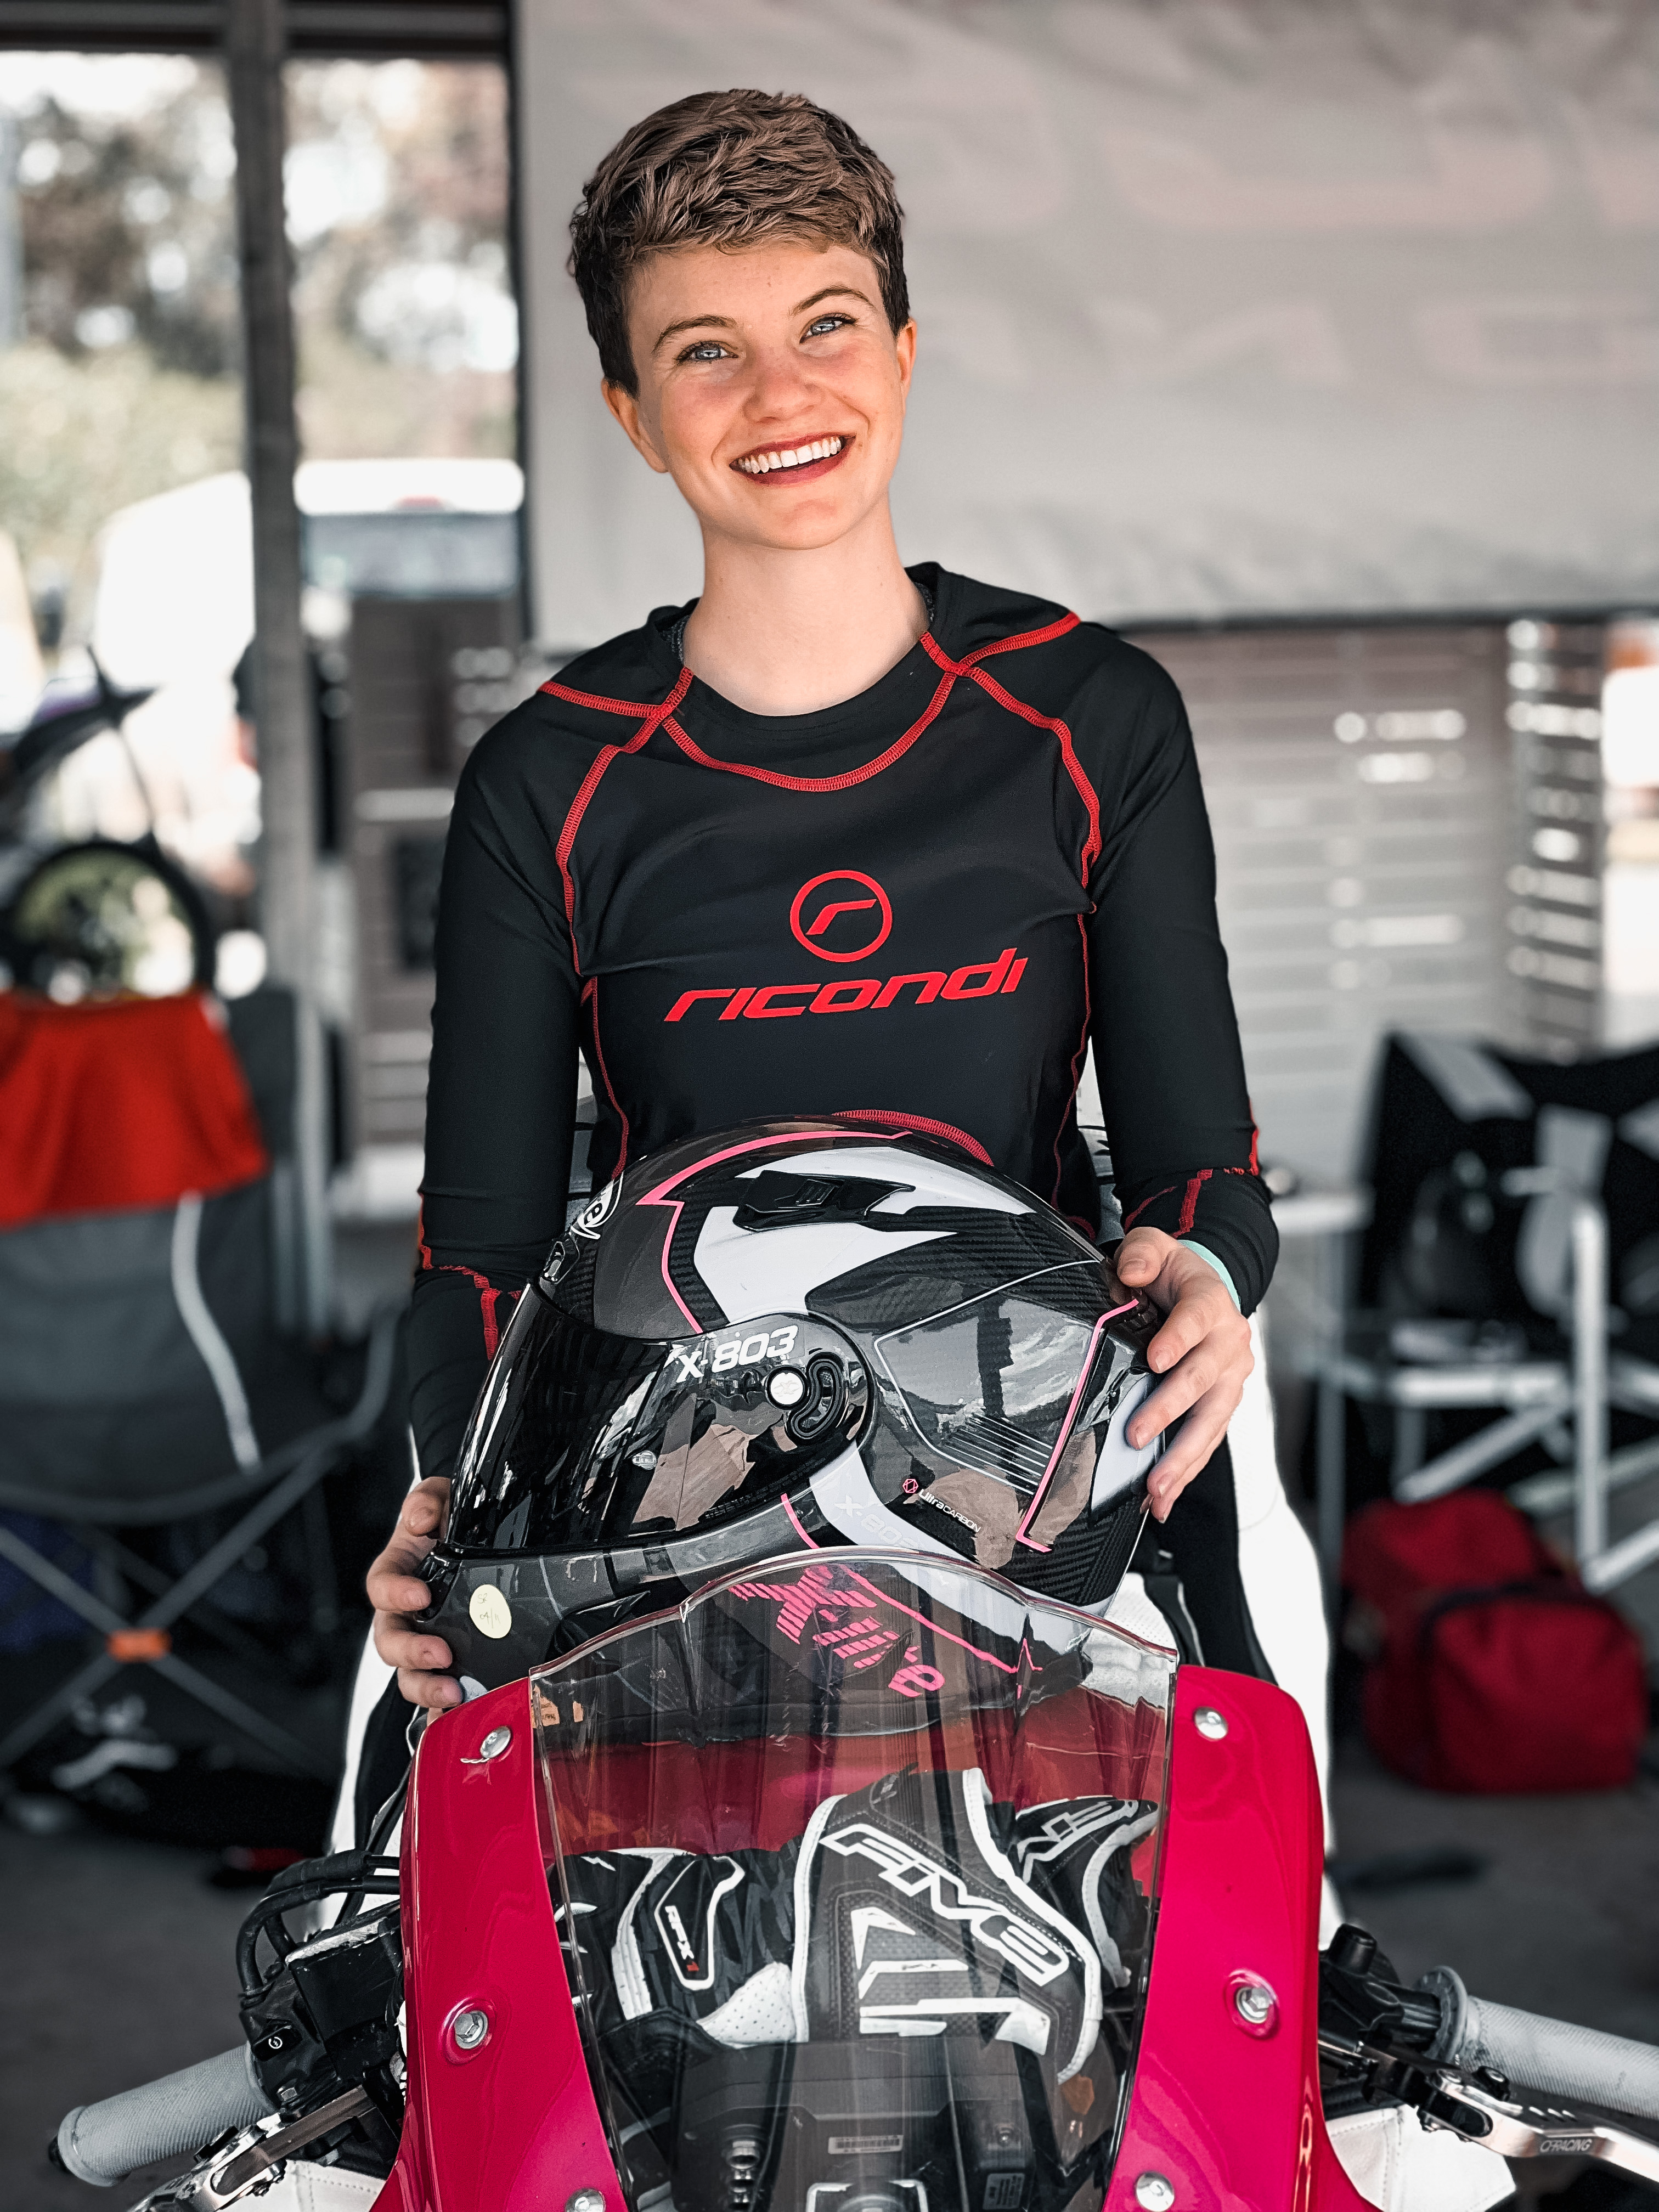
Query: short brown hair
(729,168)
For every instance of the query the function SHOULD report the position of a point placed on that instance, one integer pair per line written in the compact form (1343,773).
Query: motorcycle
(860,1881)
(99,915)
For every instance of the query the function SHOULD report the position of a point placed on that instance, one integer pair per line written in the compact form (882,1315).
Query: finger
(1139,1257)
(401,1647)
(397,1560)
(1182,1388)
(424,1511)
(1188,1321)
(1190,1453)
(436,1691)
(393,1592)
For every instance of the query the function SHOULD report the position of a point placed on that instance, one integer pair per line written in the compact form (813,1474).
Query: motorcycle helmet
(791,1335)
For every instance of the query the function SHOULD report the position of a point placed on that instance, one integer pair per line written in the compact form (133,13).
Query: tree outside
(120,377)
(120,371)
(398,198)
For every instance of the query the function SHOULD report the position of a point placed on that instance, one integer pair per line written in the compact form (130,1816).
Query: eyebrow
(725,323)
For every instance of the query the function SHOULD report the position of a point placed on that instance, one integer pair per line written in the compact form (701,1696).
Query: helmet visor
(584,1439)
(1005,1383)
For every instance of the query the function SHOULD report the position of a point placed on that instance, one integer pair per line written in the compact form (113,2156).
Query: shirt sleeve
(1165,1036)
(500,1096)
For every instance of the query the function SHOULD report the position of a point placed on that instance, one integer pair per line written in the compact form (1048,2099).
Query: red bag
(1499,1671)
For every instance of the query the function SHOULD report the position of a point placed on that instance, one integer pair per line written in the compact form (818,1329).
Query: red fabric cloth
(119,1102)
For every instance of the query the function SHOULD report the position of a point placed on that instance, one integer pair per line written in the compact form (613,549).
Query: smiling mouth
(812,457)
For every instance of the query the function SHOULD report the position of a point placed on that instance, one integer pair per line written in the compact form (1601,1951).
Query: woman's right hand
(395,1591)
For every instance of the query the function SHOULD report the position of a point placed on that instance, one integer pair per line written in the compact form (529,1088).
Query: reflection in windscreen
(859,1917)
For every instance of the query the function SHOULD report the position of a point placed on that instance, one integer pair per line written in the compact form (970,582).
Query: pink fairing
(510,2126)
(1228,2114)
(1232,2118)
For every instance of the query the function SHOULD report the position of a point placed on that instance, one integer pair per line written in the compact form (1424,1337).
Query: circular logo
(843,915)
(491,1613)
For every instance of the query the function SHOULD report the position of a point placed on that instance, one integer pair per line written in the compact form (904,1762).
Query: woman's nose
(777,386)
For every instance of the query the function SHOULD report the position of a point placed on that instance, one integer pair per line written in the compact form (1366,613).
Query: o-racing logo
(843,915)
(592,1219)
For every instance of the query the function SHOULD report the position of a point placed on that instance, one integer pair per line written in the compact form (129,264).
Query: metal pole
(1589,1378)
(254,47)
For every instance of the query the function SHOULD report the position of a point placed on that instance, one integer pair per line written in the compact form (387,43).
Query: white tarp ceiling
(1226,306)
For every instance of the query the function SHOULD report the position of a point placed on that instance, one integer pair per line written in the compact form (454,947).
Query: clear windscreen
(854,1864)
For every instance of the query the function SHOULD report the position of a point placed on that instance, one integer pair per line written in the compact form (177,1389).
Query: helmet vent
(773,1199)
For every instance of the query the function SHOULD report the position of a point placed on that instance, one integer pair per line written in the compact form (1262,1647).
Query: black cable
(345,1870)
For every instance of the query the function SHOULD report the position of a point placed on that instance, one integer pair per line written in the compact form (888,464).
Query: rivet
(1154,2193)
(1254,2004)
(1213,1725)
(586,2200)
(492,1747)
(470,2029)
(786,1386)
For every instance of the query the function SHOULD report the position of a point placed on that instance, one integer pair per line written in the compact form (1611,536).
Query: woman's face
(772,387)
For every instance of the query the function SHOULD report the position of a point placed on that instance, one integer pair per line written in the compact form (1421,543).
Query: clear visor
(1028,1385)
(855,1865)
(583,1439)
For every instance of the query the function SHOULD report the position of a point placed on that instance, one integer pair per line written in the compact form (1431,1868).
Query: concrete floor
(119,1966)
(1565,1919)
(118,1956)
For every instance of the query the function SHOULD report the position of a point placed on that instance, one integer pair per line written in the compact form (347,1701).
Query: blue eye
(706,349)
(826,324)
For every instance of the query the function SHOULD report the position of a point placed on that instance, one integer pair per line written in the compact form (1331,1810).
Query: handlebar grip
(102,2142)
(1550,2056)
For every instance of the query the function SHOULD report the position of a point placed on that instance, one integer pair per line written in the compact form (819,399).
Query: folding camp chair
(269,1487)
(143,1384)
(1512,1197)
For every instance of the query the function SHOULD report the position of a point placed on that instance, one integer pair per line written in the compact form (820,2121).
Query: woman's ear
(625,406)
(904,344)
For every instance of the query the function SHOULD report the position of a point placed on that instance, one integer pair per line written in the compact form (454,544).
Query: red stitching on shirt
(591,1001)
(599,700)
(922,1127)
(989,685)
(1066,621)
(692,750)
(1130,1219)
(1189,1202)
(488,1294)
(653,717)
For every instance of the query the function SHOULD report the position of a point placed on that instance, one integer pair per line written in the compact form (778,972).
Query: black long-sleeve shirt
(920,905)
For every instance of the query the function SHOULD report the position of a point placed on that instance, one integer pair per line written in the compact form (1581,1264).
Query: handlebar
(102,2142)
(1548,2055)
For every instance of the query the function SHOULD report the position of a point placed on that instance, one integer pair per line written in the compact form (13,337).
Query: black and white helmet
(790,1335)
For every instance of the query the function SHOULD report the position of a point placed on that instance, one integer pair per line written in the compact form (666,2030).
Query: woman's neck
(787,633)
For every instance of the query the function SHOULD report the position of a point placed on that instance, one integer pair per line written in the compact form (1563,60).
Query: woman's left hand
(1202,1353)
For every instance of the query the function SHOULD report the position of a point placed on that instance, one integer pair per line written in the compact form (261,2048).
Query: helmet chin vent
(825,1401)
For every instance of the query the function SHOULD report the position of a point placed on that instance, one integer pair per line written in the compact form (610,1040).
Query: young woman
(838,836)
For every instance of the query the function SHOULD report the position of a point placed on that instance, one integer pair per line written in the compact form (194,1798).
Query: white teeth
(788,457)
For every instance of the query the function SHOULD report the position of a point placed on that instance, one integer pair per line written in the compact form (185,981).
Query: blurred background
(1315,348)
